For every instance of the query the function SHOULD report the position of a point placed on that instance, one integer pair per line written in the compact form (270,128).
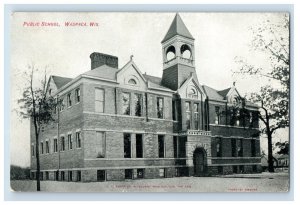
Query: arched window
(185,51)
(171,53)
(132,82)
(192,93)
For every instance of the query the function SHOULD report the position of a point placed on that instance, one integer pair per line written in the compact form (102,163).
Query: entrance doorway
(199,158)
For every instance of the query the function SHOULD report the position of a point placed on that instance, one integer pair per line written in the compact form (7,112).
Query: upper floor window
(196,116)
(50,91)
(78,140)
(192,93)
(62,144)
(217,118)
(42,148)
(174,110)
(55,145)
(62,104)
(69,100)
(126,103)
(47,147)
(32,150)
(132,82)
(160,107)
(77,95)
(70,143)
(99,100)
(138,104)
(188,115)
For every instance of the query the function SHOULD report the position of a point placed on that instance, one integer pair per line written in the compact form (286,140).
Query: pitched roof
(177,28)
(224,92)
(212,93)
(60,81)
(155,81)
(103,71)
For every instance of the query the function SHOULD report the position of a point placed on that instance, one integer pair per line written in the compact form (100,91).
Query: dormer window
(132,82)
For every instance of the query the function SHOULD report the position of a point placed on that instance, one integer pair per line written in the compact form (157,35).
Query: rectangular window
(174,110)
(241,168)
(140,173)
(47,147)
(78,176)
(240,147)
(160,107)
(62,147)
(32,150)
(100,144)
(100,175)
(69,100)
(62,104)
(188,115)
(196,116)
(162,173)
(62,176)
(56,175)
(47,175)
(42,148)
(78,140)
(233,147)
(70,176)
(126,103)
(182,147)
(99,100)
(128,174)
(237,122)
(127,145)
(175,146)
(139,146)
(55,145)
(138,102)
(70,141)
(253,148)
(77,95)
(217,118)
(161,146)
(219,147)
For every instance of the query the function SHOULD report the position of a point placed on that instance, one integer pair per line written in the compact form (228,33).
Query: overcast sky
(219,38)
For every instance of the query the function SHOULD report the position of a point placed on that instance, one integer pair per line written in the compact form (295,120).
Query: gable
(131,77)
(191,90)
(233,96)
(51,87)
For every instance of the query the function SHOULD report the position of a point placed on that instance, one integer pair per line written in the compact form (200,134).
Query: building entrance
(199,159)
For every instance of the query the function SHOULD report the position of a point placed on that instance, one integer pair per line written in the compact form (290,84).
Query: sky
(219,39)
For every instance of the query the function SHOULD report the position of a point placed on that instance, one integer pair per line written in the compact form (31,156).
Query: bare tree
(38,107)
(272,39)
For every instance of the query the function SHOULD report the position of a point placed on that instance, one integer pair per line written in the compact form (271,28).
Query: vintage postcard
(149,102)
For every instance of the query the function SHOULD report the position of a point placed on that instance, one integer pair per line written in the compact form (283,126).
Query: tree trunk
(270,153)
(38,169)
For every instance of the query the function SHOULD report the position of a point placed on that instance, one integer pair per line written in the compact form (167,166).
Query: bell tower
(178,54)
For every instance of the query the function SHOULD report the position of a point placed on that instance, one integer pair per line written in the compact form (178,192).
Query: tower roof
(177,28)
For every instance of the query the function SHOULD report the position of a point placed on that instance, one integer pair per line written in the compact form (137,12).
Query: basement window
(140,173)
(100,175)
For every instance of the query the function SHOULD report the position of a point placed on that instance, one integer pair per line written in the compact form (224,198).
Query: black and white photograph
(150,102)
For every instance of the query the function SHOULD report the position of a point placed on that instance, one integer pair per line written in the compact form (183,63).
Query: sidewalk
(262,175)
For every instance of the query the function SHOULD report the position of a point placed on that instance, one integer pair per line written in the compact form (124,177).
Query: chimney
(99,59)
